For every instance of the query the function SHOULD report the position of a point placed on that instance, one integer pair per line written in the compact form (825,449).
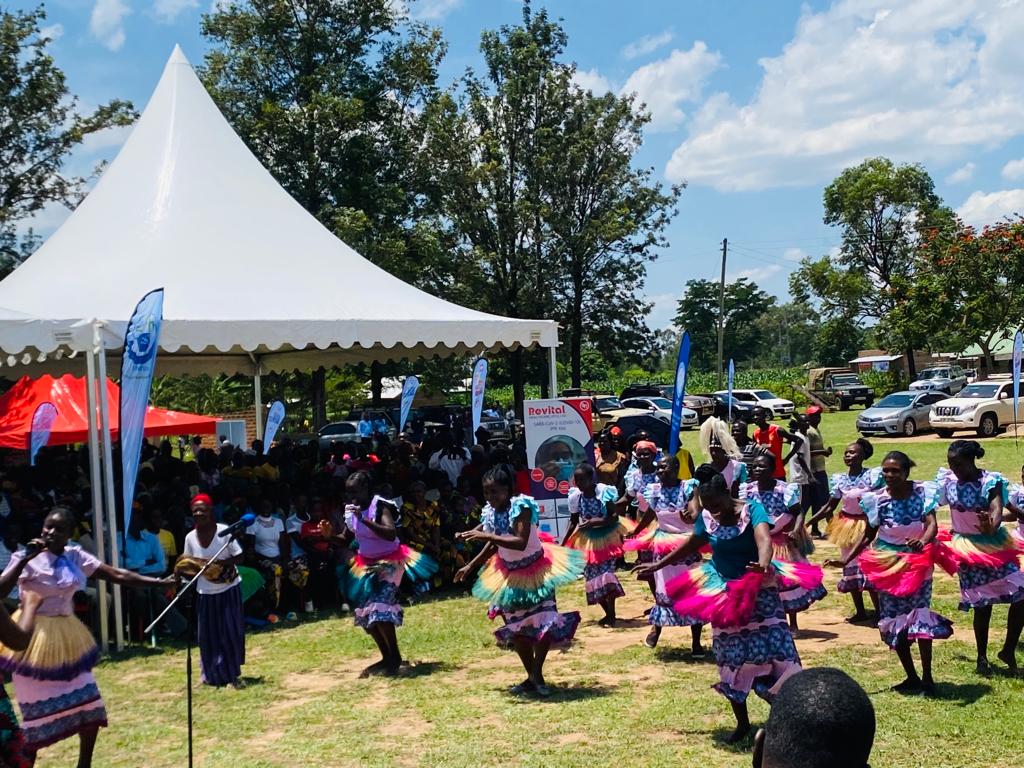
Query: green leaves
(40,126)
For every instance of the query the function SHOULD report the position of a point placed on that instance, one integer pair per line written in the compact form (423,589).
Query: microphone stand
(191,613)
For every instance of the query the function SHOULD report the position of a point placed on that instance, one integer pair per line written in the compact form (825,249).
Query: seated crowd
(295,556)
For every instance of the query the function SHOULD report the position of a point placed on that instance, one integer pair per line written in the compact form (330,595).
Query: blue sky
(756,105)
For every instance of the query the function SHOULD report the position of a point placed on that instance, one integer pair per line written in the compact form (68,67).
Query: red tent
(72,424)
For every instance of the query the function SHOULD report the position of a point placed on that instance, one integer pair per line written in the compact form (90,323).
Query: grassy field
(616,702)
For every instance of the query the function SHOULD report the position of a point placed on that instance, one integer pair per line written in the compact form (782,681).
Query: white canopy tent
(253,282)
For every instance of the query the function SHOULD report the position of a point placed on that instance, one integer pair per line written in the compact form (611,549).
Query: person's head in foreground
(821,718)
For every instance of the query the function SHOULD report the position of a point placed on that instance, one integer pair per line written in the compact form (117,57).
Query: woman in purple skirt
(219,602)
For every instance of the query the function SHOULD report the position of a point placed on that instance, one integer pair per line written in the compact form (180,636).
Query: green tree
(40,125)
(837,341)
(330,95)
(884,211)
(786,333)
(967,288)
(604,217)
(745,304)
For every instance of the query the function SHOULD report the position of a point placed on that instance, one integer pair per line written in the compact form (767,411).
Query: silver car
(901,413)
(663,407)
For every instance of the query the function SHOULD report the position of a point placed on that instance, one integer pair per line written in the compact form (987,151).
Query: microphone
(244,522)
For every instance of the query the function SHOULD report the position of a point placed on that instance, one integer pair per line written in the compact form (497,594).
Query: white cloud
(45,221)
(106,139)
(1014,170)
(647,44)
(52,32)
(794,254)
(983,208)
(914,81)
(665,84)
(755,274)
(432,10)
(964,173)
(107,22)
(592,80)
(167,10)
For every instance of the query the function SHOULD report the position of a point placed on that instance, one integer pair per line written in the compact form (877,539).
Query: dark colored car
(740,409)
(657,428)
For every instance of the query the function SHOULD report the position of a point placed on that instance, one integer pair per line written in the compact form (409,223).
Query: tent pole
(257,387)
(553,371)
(108,483)
(96,482)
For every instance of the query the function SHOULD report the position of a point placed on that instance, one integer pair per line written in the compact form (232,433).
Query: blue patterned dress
(636,484)
(846,528)
(760,655)
(778,503)
(981,585)
(600,580)
(667,502)
(897,521)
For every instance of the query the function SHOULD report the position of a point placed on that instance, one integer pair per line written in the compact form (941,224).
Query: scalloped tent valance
(253,283)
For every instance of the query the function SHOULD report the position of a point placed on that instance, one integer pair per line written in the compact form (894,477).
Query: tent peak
(178,57)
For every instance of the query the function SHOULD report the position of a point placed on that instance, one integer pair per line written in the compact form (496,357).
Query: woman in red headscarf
(219,602)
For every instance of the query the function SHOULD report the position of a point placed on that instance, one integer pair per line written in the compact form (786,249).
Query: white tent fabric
(253,283)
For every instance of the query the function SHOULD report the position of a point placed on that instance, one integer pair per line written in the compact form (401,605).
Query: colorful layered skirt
(987,566)
(373,583)
(795,597)
(12,739)
(903,580)
(664,613)
(602,547)
(522,593)
(846,531)
(752,643)
(53,681)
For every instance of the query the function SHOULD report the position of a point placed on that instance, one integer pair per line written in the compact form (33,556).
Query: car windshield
(895,401)
(843,380)
(935,373)
(978,391)
(764,394)
(607,403)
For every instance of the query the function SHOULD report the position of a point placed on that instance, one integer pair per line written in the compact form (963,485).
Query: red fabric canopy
(72,423)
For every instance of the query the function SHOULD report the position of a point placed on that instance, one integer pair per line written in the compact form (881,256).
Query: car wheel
(909,428)
(989,426)
(945,434)
(771,414)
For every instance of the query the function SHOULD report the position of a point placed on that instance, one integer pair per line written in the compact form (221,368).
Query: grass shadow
(815,634)
(143,652)
(961,693)
(681,656)
(635,623)
(424,669)
(562,694)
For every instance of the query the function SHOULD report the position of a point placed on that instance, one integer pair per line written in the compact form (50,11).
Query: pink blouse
(55,577)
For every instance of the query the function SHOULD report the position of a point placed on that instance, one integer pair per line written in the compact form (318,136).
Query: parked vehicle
(657,426)
(762,398)
(663,406)
(605,408)
(703,406)
(337,432)
(740,409)
(943,378)
(840,387)
(985,407)
(498,427)
(901,413)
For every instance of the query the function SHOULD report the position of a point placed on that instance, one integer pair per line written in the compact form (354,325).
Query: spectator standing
(772,437)
(611,463)
(819,453)
(451,460)
(365,426)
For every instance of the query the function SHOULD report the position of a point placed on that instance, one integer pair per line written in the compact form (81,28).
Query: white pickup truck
(985,407)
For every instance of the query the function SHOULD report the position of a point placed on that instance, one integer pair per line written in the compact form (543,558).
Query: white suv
(984,407)
(762,398)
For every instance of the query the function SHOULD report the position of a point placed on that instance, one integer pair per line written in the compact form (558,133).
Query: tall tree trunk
(515,369)
(576,332)
(911,363)
(375,384)
(318,385)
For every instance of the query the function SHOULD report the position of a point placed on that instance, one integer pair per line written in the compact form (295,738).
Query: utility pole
(721,312)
